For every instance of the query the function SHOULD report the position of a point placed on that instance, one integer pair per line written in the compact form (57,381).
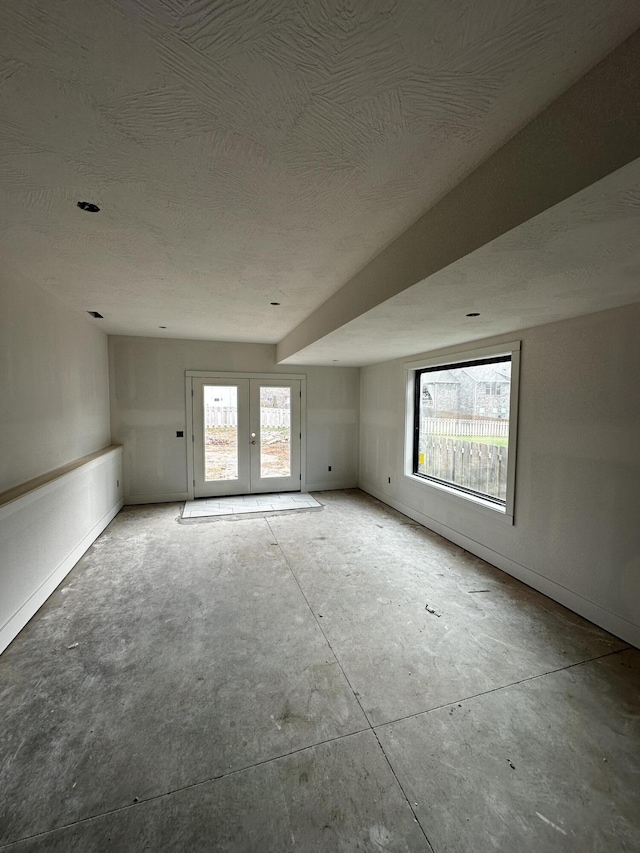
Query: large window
(463,426)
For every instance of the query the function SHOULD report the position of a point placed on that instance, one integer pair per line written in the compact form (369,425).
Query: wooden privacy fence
(477,466)
(470,428)
(227,416)
(220,416)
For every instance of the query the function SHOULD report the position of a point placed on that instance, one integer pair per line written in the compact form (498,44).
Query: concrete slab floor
(277,684)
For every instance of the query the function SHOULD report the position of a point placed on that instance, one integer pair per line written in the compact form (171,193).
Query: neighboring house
(476,391)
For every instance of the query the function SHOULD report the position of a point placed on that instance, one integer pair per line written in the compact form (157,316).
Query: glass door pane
(275,432)
(220,411)
(221,445)
(275,435)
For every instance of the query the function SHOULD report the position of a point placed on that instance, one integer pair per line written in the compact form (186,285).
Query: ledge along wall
(576,531)
(60,481)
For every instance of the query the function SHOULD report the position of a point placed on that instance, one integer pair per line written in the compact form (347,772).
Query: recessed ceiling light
(274,303)
(96,314)
(89,206)
(474,314)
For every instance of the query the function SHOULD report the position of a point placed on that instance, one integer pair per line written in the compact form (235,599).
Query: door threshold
(245,504)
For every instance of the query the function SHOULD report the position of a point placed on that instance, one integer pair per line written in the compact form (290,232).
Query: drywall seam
(617,625)
(16,623)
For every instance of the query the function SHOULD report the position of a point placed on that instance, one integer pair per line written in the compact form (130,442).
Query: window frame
(455,493)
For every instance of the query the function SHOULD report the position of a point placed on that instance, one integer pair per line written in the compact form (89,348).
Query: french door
(246,435)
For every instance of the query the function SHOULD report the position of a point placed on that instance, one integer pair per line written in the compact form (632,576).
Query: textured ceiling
(248,152)
(578,257)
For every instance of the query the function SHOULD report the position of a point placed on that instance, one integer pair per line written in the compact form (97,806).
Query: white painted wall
(576,535)
(54,394)
(44,532)
(58,478)
(147,379)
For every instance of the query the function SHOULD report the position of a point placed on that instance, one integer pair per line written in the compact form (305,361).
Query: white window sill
(463,498)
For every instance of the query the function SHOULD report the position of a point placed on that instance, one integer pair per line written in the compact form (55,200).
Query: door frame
(220,374)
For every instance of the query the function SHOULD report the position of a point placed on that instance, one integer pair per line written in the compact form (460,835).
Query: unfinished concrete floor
(277,684)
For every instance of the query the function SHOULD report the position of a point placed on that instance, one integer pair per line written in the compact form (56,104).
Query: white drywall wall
(44,532)
(54,395)
(147,379)
(59,484)
(576,534)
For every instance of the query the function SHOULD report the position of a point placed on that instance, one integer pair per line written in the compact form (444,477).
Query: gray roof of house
(479,373)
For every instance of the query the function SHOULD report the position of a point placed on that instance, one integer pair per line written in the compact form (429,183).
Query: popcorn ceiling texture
(249,152)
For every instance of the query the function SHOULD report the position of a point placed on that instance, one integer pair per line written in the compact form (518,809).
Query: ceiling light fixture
(96,314)
(89,206)
(474,314)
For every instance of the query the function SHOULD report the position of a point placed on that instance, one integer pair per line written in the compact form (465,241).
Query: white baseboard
(170,497)
(330,487)
(174,497)
(617,625)
(35,601)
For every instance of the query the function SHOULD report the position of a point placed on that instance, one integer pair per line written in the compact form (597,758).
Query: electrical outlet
(180,433)
(329,468)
